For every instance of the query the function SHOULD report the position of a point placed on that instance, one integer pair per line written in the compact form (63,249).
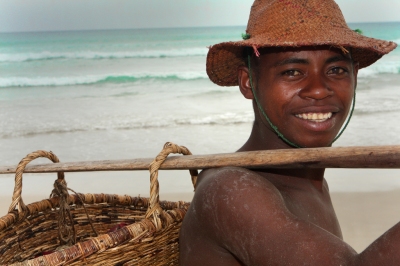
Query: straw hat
(292,23)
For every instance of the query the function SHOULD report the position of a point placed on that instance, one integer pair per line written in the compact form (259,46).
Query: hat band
(275,128)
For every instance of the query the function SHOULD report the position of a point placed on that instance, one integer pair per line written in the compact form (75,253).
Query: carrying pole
(338,157)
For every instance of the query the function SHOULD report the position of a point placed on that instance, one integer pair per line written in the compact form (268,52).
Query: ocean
(120,94)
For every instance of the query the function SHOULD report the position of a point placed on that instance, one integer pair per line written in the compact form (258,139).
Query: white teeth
(315,117)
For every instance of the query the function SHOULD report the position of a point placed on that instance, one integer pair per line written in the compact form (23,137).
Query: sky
(54,15)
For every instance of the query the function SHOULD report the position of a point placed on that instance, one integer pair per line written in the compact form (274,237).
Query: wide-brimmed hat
(292,23)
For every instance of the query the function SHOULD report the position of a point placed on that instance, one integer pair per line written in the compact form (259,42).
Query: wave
(89,80)
(380,67)
(389,107)
(129,123)
(90,55)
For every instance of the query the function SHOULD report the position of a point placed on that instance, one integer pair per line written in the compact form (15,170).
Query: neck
(263,138)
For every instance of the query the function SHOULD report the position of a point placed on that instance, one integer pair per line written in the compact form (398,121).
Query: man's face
(306,93)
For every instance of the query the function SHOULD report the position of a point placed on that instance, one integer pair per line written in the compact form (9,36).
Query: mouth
(315,117)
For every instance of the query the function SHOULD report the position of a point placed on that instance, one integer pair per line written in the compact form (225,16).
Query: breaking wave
(90,55)
(98,79)
(128,123)
(380,67)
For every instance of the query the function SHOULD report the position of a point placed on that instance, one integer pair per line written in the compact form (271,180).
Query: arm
(246,215)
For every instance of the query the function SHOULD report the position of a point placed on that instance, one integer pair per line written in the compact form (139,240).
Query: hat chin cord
(275,128)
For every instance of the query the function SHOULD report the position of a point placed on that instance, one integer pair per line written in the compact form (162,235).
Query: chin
(314,143)
(317,146)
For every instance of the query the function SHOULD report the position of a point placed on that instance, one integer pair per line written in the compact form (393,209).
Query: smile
(315,117)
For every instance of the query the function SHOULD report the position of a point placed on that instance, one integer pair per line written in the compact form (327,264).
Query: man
(298,64)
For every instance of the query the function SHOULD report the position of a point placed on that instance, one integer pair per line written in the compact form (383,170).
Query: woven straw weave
(292,23)
(110,230)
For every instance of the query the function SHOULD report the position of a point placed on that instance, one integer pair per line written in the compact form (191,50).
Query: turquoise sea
(119,94)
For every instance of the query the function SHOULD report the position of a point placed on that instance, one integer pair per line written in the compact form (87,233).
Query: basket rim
(172,213)
(44,205)
(155,220)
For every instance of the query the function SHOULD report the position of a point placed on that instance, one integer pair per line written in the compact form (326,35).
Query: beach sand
(363,216)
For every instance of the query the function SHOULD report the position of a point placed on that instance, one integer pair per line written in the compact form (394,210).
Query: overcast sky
(50,15)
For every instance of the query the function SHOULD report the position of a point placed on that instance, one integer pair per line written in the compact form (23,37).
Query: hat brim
(223,59)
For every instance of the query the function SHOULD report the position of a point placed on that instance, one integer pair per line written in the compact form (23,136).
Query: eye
(292,73)
(337,71)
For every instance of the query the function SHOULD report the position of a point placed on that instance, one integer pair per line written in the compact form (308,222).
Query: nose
(316,88)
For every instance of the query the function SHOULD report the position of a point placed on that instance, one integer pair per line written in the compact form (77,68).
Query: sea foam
(380,67)
(98,55)
(127,123)
(98,79)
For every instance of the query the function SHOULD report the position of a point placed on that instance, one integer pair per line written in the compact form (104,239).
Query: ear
(244,82)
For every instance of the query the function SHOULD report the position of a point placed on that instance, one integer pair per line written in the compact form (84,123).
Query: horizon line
(155,28)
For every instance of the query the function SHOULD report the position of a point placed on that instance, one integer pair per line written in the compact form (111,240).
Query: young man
(298,64)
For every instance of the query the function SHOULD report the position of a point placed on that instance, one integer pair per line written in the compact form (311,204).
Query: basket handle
(17,197)
(155,209)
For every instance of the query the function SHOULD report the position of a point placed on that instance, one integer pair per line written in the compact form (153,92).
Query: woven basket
(104,230)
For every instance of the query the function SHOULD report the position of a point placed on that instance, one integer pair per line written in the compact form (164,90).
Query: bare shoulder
(229,190)
(224,200)
(223,195)
(231,176)
(238,217)
(232,191)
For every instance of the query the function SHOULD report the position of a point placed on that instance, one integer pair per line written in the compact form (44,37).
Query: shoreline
(363,216)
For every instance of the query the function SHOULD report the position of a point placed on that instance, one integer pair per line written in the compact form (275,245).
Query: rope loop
(66,229)
(154,211)
(17,202)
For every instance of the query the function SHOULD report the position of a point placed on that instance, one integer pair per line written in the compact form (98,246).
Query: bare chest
(314,207)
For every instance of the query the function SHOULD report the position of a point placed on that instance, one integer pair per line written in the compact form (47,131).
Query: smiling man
(307,93)
(298,64)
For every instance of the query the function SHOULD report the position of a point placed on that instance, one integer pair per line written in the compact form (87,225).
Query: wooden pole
(339,157)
